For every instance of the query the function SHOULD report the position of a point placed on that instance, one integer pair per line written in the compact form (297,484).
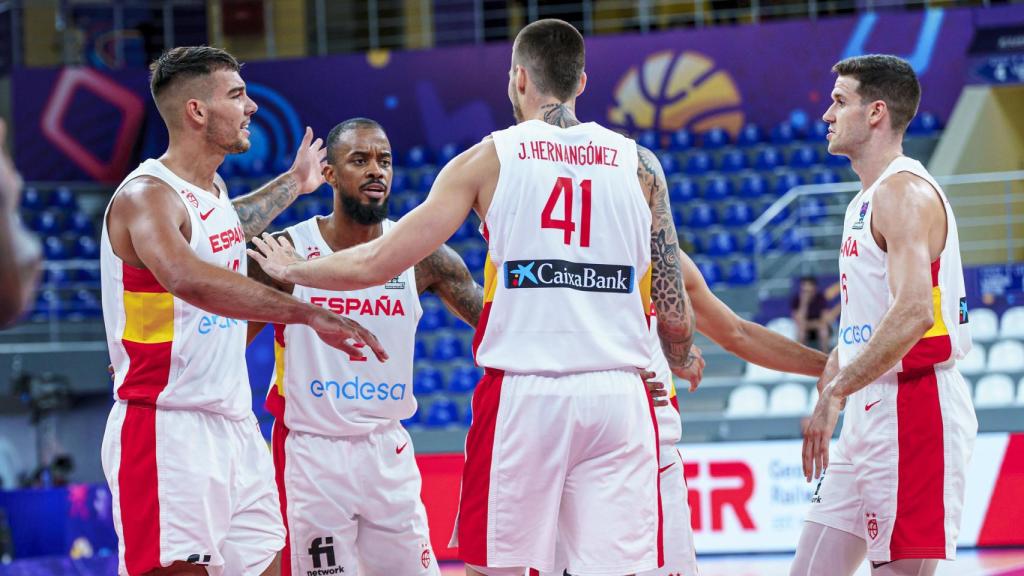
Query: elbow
(925,316)
(733,339)
(182,286)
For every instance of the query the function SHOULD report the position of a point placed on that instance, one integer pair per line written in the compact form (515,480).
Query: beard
(517,110)
(227,139)
(365,214)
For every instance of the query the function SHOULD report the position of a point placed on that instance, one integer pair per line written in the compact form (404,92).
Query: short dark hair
(887,78)
(341,128)
(552,50)
(186,62)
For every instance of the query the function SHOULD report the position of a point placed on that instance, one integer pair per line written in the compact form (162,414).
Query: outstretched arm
(675,318)
(748,340)
(445,274)
(257,209)
(413,238)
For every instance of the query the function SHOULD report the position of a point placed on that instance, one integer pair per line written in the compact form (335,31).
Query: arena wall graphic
(84,124)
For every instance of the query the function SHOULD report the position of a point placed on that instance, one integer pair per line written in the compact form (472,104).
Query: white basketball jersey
(567,278)
(866,297)
(670,425)
(164,350)
(318,389)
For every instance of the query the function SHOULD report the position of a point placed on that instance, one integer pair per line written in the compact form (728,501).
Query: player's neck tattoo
(559,114)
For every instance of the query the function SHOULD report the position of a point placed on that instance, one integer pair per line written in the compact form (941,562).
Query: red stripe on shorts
(919,528)
(137,488)
(277,438)
(476,473)
(657,474)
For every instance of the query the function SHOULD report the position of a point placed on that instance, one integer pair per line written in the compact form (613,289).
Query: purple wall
(80,124)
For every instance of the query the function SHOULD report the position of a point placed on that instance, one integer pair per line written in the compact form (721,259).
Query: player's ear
(521,76)
(877,112)
(328,173)
(583,84)
(195,111)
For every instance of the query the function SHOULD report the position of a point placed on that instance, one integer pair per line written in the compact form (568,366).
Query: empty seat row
(1002,356)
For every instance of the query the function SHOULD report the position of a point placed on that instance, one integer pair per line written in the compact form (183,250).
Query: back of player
(563,330)
(337,425)
(907,502)
(183,401)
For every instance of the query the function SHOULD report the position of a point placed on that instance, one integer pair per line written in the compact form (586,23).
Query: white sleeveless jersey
(165,351)
(866,296)
(670,425)
(316,388)
(567,277)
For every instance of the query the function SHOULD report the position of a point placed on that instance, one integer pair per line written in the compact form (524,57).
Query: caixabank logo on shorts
(565,274)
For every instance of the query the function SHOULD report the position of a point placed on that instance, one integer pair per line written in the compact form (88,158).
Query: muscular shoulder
(148,194)
(905,196)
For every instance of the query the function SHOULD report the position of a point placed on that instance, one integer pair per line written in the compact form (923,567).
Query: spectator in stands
(810,312)
(19,252)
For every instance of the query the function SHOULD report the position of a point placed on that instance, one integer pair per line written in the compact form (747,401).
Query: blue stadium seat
(924,124)
(86,248)
(426,180)
(753,186)
(442,413)
(475,257)
(803,157)
(742,272)
(88,274)
(783,133)
(825,176)
(738,213)
(768,158)
(47,222)
(721,243)
(682,190)
(733,160)
(399,181)
(781,216)
(447,153)
(309,208)
(414,421)
(668,163)
(236,187)
(55,276)
(53,248)
(715,139)
(447,347)
(467,416)
(464,377)
(679,213)
(698,163)
(794,240)
(758,243)
(420,350)
(48,302)
(649,139)
(682,140)
(836,160)
(86,303)
(701,215)
(709,269)
(785,180)
(427,379)
(402,204)
(434,317)
(812,209)
(819,129)
(718,188)
(750,135)
(416,156)
(31,198)
(691,242)
(228,170)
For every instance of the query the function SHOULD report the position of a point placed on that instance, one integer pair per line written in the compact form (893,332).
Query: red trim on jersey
(481,327)
(277,440)
(935,272)
(919,527)
(139,280)
(1002,520)
(657,475)
(149,369)
(675,402)
(476,473)
(138,498)
(926,353)
(274,404)
(279,335)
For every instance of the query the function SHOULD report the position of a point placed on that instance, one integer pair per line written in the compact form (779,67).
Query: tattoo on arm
(258,208)
(560,115)
(675,318)
(445,274)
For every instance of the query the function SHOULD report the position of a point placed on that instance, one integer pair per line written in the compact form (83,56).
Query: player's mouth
(375,190)
(830,134)
(245,127)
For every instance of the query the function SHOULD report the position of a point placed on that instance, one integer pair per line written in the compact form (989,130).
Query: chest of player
(217,235)
(394,306)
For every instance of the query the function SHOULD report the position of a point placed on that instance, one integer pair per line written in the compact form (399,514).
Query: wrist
(292,183)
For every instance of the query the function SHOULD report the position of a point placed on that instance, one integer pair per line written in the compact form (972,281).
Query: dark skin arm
(256,273)
(445,274)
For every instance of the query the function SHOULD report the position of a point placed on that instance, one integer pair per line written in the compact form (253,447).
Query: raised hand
(274,255)
(308,165)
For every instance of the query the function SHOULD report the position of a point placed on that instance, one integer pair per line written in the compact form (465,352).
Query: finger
(646,374)
(374,344)
(824,454)
(259,258)
(321,155)
(285,243)
(817,455)
(353,351)
(315,146)
(659,403)
(807,455)
(262,244)
(306,138)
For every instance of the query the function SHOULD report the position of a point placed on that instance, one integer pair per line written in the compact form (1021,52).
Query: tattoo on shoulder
(560,115)
(445,274)
(257,209)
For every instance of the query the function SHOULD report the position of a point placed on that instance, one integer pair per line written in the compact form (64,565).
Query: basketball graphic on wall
(673,90)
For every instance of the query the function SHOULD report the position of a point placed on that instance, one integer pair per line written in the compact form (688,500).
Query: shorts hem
(258,568)
(616,570)
(829,522)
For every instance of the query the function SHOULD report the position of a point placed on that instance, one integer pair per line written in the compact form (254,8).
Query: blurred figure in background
(20,255)
(810,314)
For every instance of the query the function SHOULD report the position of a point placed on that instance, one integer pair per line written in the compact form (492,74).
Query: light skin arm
(906,214)
(445,274)
(748,340)
(258,208)
(152,216)
(416,236)
(675,316)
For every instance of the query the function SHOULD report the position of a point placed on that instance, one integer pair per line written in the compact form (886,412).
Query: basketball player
(563,441)
(190,474)
(337,421)
(895,483)
(20,256)
(748,340)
